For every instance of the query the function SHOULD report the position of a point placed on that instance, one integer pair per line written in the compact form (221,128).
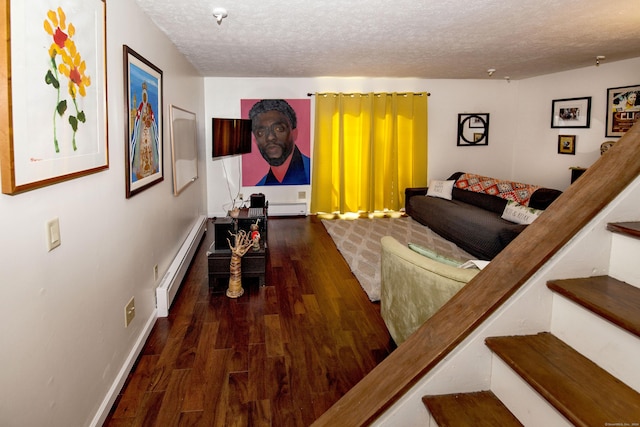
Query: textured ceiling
(407,38)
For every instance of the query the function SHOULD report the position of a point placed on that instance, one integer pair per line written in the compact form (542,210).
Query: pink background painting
(254,167)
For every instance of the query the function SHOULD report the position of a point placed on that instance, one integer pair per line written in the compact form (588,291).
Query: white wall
(522,145)
(63,338)
(535,156)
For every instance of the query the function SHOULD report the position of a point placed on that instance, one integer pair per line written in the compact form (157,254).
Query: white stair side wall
(609,346)
(528,311)
(469,368)
(625,257)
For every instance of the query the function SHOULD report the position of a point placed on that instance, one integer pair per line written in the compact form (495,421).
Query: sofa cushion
(519,214)
(543,197)
(440,189)
(476,230)
(481,200)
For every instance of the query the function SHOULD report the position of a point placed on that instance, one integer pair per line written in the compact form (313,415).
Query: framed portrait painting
(144,122)
(623,109)
(289,122)
(571,113)
(566,144)
(54,102)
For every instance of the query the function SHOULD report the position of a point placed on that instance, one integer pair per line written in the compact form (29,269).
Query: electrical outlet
(155,272)
(129,312)
(302,195)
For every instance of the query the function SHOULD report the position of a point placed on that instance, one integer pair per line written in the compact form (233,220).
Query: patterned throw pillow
(519,214)
(441,189)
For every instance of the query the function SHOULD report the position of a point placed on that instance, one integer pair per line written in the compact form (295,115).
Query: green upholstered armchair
(414,287)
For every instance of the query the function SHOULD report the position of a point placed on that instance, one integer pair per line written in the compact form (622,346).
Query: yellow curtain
(367,149)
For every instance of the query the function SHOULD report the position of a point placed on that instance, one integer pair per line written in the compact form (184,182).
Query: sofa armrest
(409,193)
(414,287)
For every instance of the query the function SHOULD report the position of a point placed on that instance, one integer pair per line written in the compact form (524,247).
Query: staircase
(584,371)
(579,235)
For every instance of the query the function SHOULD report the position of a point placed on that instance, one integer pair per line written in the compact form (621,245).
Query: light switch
(53,234)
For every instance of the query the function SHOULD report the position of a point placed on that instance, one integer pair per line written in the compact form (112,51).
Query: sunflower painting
(56,92)
(71,66)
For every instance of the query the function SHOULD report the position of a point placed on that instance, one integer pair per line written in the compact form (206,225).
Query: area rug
(358,240)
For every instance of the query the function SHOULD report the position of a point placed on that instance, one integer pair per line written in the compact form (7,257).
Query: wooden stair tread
(614,300)
(478,409)
(631,228)
(578,388)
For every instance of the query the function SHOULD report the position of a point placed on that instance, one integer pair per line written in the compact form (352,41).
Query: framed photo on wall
(144,122)
(566,144)
(54,102)
(623,109)
(571,113)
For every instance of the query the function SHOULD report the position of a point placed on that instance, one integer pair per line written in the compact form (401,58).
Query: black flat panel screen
(230,137)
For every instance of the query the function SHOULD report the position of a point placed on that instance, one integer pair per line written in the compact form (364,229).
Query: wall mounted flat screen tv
(230,137)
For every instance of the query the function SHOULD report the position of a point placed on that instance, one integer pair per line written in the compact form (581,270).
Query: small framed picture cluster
(622,112)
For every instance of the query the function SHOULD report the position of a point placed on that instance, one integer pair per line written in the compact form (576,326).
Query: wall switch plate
(129,312)
(53,234)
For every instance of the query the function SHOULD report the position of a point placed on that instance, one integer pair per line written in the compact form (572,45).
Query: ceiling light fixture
(598,59)
(220,13)
(490,71)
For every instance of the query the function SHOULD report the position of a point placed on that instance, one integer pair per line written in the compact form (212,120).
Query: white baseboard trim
(112,395)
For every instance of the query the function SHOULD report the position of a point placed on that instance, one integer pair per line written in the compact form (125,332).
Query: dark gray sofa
(471,220)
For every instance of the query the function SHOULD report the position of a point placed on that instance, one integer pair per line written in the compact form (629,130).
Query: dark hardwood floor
(280,355)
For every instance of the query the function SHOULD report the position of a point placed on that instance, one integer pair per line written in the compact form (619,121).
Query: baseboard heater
(287,209)
(168,287)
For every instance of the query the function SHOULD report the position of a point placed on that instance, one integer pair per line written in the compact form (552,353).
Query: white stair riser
(609,346)
(624,264)
(523,401)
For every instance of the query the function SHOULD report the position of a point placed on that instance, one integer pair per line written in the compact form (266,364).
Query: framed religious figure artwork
(144,123)
(566,144)
(571,113)
(54,101)
(623,109)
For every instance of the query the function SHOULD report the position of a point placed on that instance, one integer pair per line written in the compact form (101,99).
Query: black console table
(219,254)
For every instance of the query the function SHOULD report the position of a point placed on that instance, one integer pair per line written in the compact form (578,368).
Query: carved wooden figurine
(242,244)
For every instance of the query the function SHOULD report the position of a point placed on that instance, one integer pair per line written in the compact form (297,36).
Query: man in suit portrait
(274,126)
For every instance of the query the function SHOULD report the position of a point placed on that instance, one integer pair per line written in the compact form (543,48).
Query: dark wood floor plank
(138,383)
(280,355)
(238,407)
(171,406)
(260,413)
(194,398)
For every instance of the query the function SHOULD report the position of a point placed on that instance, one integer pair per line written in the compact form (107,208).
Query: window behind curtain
(367,149)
